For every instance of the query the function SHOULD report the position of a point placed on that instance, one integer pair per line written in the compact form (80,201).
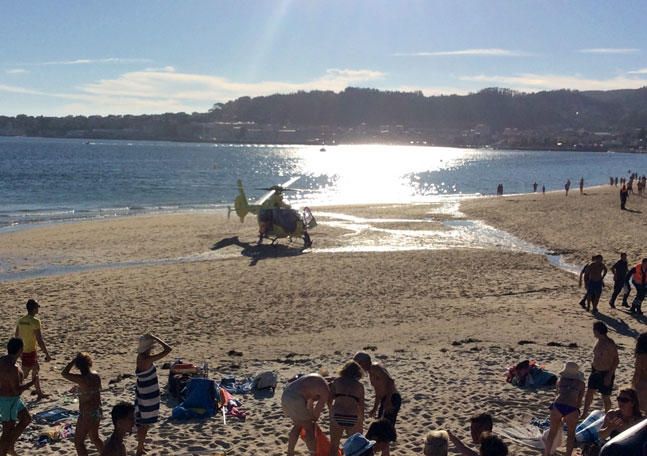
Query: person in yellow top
(29,330)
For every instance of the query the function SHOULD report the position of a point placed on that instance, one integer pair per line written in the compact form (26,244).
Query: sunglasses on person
(624,399)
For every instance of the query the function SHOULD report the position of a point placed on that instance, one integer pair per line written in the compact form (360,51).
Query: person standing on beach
(387,399)
(624,194)
(29,330)
(123,419)
(89,384)
(567,186)
(638,276)
(581,185)
(639,380)
(619,270)
(13,414)
(603,368)
(596,272)
(147,392)
(347,409)
(585,303)
(302,401)
(534,187)
(543,190)
(566,406)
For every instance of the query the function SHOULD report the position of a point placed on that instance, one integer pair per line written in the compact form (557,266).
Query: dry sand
(299,312)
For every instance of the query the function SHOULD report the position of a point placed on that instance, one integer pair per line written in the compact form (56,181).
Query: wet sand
(296,312)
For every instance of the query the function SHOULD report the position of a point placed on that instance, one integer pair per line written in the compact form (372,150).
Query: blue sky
(117,57)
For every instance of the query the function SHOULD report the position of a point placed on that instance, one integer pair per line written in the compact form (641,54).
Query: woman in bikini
(347,411)
(566,407)
(626,415)
(89,384)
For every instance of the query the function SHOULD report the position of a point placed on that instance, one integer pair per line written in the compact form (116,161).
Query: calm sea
(57,179)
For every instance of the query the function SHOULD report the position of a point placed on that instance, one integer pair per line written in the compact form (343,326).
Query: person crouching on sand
(302,401)
(566,406)
(123,418)
(89,402)
(13,414)
(387,399)
(147,393)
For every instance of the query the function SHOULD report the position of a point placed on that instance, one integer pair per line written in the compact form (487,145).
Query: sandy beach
(412,306)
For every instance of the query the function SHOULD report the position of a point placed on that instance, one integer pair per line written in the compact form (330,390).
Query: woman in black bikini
(347,411)
(566,407)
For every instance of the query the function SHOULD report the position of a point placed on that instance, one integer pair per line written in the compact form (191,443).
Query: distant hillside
(491,116)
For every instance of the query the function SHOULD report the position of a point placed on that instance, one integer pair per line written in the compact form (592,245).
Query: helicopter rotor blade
(284,187)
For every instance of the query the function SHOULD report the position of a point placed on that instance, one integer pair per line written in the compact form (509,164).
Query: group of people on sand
(142,413)
(305,397)
(593,274)
(631,401)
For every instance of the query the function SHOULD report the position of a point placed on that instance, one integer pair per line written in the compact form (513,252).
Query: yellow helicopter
(276,219)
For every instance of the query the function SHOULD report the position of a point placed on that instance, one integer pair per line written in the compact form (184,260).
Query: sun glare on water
(373,174)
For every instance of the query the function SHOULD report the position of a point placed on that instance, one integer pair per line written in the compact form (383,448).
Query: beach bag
(266,380)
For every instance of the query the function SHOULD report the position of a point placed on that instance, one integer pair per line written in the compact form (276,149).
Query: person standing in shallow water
(603,368)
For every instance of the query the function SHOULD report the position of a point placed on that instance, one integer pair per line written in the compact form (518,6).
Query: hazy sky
(139,56)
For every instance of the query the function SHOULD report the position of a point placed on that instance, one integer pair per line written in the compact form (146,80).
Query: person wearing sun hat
(358,445)
(147,392)
(566,406)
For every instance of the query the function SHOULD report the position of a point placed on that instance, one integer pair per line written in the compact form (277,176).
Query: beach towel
(54,415)
(322,442)
(55,433)
(147,397)
(529,435)
(234,386)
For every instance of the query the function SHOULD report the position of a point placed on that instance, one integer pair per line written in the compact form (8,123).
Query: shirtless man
(596,273)
(123,417)
(29,330)
(13,413)
(603,369)
(303,401)
(387,399)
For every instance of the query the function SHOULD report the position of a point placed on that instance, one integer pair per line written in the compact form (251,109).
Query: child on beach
(479,425)
(566,406)
(90,416)
(123,418)
(436,443)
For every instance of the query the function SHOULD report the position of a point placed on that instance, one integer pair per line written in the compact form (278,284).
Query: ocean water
(44,180)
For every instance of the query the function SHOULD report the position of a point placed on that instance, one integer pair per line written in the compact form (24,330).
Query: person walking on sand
(123,419)
(619,269)
(29,329)
(567,186)
(347,411)
(566,406)
(603,368)
(147,392)
(89,384)
(596,272)
(13,414)
(387,398)
(624,194)
(581,185)
(302,401)
(638,276)
(639,379)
